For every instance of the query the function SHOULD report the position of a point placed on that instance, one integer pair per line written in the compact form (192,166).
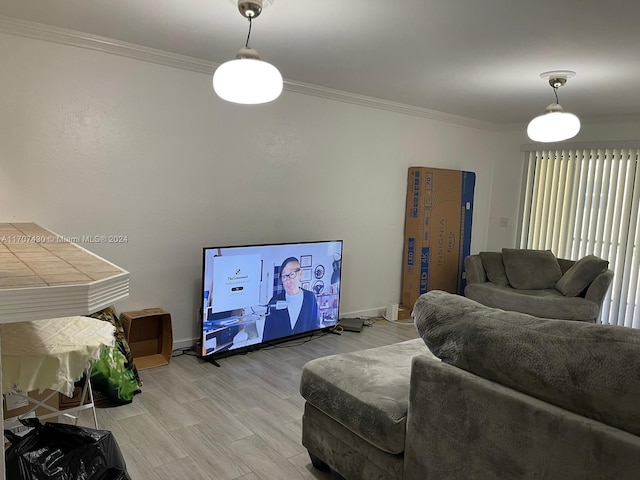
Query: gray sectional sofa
(483,394)
(538,283)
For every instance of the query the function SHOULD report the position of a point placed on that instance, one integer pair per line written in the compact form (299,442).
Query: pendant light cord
(555,89)
(249,34)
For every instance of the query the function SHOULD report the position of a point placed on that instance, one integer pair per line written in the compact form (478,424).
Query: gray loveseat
(506,396)
(538,283)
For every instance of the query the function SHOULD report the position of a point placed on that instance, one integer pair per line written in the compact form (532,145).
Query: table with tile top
(44,275)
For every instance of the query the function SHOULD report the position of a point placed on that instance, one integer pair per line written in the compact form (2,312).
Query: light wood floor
(195,421)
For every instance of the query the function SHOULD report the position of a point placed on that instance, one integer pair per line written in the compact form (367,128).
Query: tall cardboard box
(437,231)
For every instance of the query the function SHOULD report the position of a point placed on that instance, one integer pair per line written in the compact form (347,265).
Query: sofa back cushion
(494,268)
(592,370)
(580,275)
(531,269)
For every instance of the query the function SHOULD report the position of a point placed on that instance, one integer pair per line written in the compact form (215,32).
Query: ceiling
(479,59)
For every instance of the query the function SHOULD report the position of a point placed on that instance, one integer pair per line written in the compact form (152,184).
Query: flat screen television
(261,294)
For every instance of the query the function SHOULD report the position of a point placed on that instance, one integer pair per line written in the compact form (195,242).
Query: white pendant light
(247,79)
(554,125)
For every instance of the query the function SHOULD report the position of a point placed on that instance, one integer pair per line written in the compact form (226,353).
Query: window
(580,201)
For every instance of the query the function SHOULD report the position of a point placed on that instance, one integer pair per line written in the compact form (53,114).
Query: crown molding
(87,41)
(612,119)
(354,98)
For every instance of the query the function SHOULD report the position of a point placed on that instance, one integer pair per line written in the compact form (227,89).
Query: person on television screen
(294,310)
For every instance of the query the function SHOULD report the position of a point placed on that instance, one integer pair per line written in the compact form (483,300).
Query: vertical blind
(584,201)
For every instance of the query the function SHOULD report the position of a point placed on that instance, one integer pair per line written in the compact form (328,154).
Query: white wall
(612,129)
(97,144)
(506,184)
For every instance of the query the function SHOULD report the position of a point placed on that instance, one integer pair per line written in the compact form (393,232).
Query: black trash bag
(57,451)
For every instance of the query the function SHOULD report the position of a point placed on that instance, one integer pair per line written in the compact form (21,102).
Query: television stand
(211,360)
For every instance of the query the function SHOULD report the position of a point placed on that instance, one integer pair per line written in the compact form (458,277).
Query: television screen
(263,293)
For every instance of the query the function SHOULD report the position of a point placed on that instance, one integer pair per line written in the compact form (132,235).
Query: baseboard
(180,344)
(373,312)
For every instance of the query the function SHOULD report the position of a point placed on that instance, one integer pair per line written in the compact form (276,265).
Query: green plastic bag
(112,376)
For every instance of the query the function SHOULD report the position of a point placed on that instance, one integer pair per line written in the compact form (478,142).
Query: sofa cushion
(531,269)
(366,391)
(580,275)
(544,303)
(494,267)
(592,370)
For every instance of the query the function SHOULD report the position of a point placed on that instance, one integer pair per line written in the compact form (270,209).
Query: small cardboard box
(437,231)
(149,335)
(11,416)
(15,412)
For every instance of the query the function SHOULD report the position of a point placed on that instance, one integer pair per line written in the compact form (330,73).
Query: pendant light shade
(554,125)
(248,79)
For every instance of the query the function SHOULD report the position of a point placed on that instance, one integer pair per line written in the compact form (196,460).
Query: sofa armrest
(475,270)
(462,426)
(599,287)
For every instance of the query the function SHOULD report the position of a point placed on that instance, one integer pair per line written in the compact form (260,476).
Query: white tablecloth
(51,353)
